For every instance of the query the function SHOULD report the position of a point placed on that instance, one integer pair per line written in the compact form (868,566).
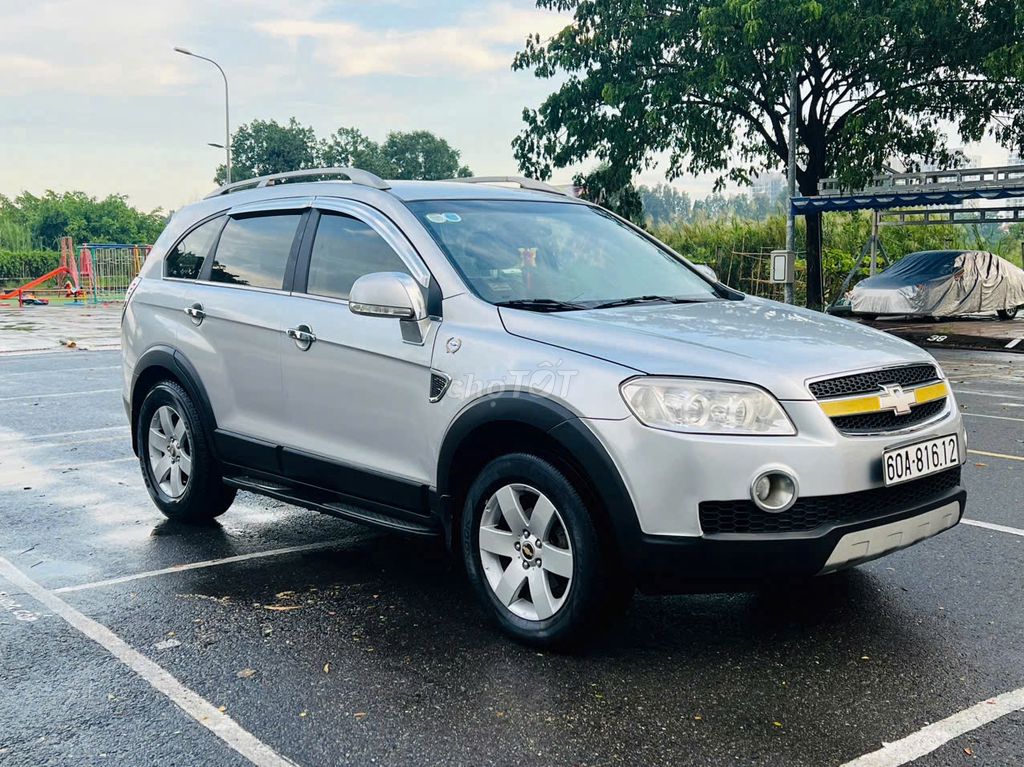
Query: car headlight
(701,406)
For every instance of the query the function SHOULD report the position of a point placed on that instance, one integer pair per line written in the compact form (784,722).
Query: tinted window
(254,251)
(186,259)
(344,250)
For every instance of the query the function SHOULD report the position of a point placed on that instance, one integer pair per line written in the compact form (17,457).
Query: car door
(234,337)
(355,394)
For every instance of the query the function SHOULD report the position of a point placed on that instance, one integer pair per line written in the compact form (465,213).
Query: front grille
(872,382)
(825,510)
(867,423)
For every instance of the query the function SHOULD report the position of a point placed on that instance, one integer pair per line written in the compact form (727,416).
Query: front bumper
(669,475)
(665,564)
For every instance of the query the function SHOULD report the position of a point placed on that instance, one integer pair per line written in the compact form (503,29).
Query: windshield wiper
(649,300)
(541,305)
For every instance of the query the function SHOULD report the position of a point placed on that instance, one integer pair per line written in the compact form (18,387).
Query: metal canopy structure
(929,188)
(898,190)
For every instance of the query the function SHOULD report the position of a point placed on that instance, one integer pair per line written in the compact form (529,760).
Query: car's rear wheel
(176,460)
(1008,314)
(534,555)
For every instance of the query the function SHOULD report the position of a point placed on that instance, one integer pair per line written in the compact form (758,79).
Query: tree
(265,146)
(83,218)
(350,147)
(611,188)
(422,155)
(707,83)
(664,204)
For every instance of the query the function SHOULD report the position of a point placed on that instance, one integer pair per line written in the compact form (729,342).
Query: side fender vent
(439,383)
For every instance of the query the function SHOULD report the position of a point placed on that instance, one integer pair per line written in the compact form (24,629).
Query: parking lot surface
(279,635)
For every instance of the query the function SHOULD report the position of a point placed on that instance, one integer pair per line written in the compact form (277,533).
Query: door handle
(195,313)
(302,335)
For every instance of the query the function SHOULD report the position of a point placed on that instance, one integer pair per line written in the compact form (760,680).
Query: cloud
(482,41)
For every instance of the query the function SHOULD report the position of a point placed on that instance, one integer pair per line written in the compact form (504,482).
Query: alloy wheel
(170,451)
(525,552)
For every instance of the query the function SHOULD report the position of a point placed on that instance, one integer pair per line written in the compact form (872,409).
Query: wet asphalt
(371,649)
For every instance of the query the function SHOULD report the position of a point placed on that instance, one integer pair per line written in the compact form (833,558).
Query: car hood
(764,342)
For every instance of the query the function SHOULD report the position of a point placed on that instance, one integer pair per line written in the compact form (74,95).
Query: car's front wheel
(534,555)
(1008,314)
(176,460)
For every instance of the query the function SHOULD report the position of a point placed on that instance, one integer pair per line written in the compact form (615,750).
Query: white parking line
(199,565)
(993,526)
(29,438)
(24,397)
(1003,395)
(997,417)
(62,370)
(933,736)
(997,455)
(197,707)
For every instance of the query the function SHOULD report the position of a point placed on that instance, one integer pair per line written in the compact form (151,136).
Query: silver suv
(568,404)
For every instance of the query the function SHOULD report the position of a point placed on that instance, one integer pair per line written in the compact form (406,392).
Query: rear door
(356,394)
(235,332)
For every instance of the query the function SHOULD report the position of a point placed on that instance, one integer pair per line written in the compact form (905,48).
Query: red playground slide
(28,286)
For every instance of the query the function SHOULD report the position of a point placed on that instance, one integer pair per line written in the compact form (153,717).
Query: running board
(329,503)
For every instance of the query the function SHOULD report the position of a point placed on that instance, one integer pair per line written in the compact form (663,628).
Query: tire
(169,428)
(867,317)
(1008,314)
(576,592)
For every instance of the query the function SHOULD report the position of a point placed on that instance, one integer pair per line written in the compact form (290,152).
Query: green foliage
(737,249)
(611,189)
(18,265)
(706,82)
(263,147)
(28,221)
(664,204)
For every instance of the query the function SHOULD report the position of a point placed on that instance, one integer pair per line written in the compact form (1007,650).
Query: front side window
(343,251)
(567,255)
(185,260)
(254,250)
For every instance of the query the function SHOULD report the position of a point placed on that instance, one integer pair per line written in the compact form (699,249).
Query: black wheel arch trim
(177,364)
(570,433)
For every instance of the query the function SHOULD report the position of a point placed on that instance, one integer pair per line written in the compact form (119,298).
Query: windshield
(554,256)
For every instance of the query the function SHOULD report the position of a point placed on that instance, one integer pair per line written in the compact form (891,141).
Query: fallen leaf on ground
(968,751)
(167,644)
(245,673)
(777,724)
(282,608)
(327,668)
(981,465)
(222,709)
(360,715)
(284,595)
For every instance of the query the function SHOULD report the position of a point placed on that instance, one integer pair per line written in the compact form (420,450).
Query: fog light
(773,491)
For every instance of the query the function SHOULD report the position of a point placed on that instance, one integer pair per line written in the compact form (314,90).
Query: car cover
(941,284)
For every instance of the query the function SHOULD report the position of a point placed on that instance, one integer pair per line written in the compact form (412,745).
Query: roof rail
(356,176)
(522,181)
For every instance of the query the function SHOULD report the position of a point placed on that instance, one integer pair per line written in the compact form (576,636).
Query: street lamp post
(227,113)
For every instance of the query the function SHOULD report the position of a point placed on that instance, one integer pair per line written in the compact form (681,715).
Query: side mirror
(387,294)
(707,271)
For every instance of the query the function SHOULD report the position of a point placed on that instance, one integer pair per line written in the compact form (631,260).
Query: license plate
(901,464)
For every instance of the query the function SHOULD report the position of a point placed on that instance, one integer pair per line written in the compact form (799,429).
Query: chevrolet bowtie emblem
(895,399)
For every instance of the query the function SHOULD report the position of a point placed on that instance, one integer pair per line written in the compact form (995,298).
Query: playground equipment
(101,273)
(26,293)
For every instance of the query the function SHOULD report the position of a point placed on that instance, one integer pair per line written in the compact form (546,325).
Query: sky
(93,97)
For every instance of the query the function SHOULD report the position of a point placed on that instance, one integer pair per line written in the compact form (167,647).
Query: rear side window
(254,250)
(185,260)
(343,251)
